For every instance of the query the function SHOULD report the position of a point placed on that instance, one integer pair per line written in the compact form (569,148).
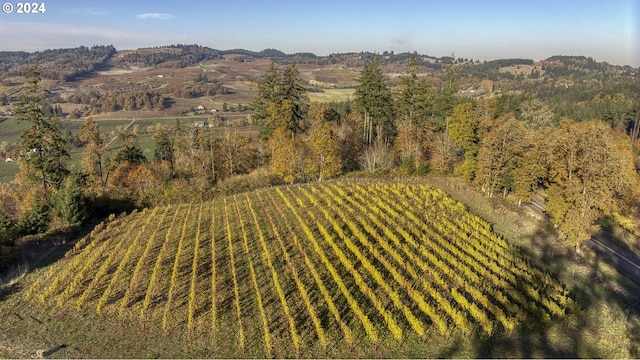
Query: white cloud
(155,16)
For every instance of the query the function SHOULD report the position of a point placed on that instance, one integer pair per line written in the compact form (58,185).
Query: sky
(607,30)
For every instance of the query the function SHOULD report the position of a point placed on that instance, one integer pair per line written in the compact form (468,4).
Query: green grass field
(10,132)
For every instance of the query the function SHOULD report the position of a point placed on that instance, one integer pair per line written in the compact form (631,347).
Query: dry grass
(329,95)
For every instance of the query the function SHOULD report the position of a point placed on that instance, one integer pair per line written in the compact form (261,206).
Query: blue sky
(608,30)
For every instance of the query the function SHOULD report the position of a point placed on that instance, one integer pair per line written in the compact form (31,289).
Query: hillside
(294,271)
(350,267)
(103,80)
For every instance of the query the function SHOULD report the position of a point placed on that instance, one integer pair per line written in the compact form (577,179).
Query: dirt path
(116,137)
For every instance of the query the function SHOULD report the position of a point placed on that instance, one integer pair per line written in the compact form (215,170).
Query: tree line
(173,56)
(139,100)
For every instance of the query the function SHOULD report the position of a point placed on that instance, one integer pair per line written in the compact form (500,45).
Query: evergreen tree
(7,228)
(43,146)
(268,92)
(414,107)
(446,96)
(70,203)
(416,99)
(276,88)
(374,103)
(294,91)
(35,219)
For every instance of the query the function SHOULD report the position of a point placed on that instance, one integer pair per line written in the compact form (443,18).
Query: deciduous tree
(324,160)
(499,155)
(94,149)
(442,153)
(531,170)
(592,174)
(535,115)
(288,154)
(462,128)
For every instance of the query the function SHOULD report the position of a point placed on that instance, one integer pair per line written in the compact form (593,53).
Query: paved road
(625,261)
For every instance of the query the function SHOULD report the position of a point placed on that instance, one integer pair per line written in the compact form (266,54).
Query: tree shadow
(8,290)
(38,251)
(633,334)
(522,343)
(583,332)
(452,350)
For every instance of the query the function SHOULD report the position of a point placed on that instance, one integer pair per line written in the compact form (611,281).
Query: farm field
(329,95)
(10,132)
(343,269)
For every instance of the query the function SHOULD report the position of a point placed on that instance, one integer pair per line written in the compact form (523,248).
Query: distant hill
(89,79)
(68,64)
(59,64)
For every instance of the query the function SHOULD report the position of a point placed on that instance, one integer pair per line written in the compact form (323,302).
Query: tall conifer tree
(43,147)
(373,101)
(279,90)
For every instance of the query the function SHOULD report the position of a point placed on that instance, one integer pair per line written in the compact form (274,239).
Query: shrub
(70,204)
(34,220)
(7,228)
